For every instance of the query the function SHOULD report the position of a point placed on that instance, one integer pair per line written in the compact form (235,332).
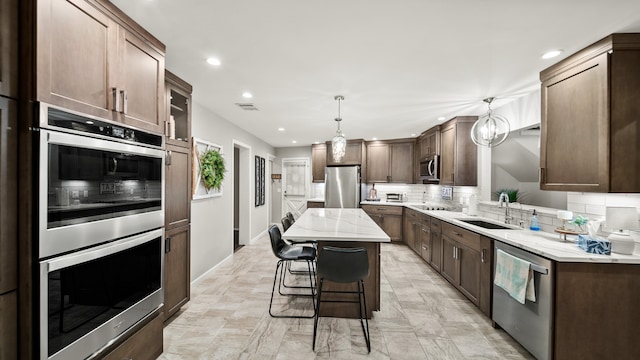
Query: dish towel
(515,276)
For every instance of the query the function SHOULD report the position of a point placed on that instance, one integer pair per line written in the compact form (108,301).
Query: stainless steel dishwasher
(530,323)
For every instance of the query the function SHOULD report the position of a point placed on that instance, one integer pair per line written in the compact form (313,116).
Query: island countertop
(331,224)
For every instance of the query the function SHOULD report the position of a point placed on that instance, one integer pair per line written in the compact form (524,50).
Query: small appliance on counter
(395,197)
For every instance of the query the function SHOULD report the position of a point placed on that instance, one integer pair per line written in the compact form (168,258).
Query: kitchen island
(343,228)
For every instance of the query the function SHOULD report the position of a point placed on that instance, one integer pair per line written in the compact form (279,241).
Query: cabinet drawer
(412,215)
(383,209)
(145,343)
(436,226)
(461,235)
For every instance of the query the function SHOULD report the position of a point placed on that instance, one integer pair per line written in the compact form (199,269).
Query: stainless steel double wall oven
(100,230)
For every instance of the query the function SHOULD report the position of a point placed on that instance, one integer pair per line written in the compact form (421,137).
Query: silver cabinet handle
(482,256)
(168,160)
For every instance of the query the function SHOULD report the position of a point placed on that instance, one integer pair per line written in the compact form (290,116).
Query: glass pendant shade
(338,146)
(339,142)
(490,130)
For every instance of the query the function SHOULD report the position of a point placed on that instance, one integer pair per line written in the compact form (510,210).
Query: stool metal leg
(315,319)
(363,301)
(281,266)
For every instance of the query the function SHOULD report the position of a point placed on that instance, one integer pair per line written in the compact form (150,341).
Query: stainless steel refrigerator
(342,187)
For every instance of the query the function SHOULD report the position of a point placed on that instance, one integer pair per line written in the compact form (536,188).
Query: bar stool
(287,253)
(343,265)
(290,216)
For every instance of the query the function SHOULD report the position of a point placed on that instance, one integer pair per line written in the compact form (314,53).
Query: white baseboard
(255,239)
(193,283)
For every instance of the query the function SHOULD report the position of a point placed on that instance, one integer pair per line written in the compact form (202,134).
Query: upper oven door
(429,168)
(95,190)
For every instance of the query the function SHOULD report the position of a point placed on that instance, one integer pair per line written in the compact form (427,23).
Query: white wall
(212,218)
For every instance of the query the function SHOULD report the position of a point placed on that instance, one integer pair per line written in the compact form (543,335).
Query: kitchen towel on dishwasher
(515,276)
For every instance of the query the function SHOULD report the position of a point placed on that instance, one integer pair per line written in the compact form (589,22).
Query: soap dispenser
(534,222)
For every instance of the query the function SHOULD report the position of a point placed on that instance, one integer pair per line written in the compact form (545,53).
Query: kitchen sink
(488,225)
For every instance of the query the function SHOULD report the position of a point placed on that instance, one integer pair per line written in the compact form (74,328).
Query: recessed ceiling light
(413,134)
(213,61)
(551,54)
(316,142)
(280,129)
(374,138)
(441,118)
(247,95)
(294,142)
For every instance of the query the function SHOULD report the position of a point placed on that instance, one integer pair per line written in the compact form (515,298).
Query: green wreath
(212,169)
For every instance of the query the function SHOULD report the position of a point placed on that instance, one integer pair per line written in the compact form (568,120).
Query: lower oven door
(89,297)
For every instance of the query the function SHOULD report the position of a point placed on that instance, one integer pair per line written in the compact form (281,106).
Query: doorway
(241,195)
(295,185)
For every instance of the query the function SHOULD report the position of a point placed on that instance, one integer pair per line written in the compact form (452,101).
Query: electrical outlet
(86,193)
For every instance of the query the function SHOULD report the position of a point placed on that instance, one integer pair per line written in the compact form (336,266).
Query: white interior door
(295,186)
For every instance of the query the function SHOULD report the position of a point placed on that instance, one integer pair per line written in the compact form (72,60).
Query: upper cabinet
(113,68)
(178,100)
(318,162)
(590,133)
(9,48)
(429,143)
(390,161)
(458,153)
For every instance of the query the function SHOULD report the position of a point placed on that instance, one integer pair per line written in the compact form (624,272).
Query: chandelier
(339,142)
(490,130)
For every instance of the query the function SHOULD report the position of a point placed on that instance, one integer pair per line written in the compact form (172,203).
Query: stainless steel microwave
(430,168)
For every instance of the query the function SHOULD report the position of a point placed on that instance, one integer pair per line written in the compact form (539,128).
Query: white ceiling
(400,64)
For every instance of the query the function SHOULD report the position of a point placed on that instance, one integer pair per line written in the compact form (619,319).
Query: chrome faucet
(504,199)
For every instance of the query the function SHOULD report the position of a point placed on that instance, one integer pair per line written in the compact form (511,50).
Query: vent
(247,106)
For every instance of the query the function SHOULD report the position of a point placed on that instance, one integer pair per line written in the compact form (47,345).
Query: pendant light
(339,142)
(490,130)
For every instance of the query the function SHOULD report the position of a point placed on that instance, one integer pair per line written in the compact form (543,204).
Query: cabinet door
(447,158)
(486,278)
(318,162)
(392,225)
(401,166)
(469,272)
(9,325)
(436,250)
(408,235)
(9,48)
(144,344)
(575,109)
(178,185)
(465,167)
(449,263)
(178,109)
(76,55)
(425,242)
(8,194)
(141,83)
(353,154)
(378,162)
(176,269)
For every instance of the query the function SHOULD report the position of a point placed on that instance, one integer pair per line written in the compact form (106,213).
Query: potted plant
(513,194)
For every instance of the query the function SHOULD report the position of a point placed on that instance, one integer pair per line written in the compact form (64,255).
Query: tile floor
(421,317)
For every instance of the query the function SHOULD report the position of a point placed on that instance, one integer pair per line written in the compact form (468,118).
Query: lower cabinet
(9,325)
(176,269)
(388,217)
(409,234)
(435,259)
(461,260)
(315,204)
(486,274)
(144,344)
(425,248)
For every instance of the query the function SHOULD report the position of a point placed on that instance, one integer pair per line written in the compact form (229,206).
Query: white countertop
(542,243)
(336,225)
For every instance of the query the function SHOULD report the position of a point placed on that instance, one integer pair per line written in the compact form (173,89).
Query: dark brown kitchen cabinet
(390,161)
(429,143)
(435,260)
(9,325)
(120,64)
(458,153)
(461,260)
(411,220)
(318,162)
(388,217)
(9,48)
(178,106)
(590,111)
(486,275)
(176,269)
(178,187)
(315,204)
(8,195)
(144,344)
(425,238)
(355,154)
